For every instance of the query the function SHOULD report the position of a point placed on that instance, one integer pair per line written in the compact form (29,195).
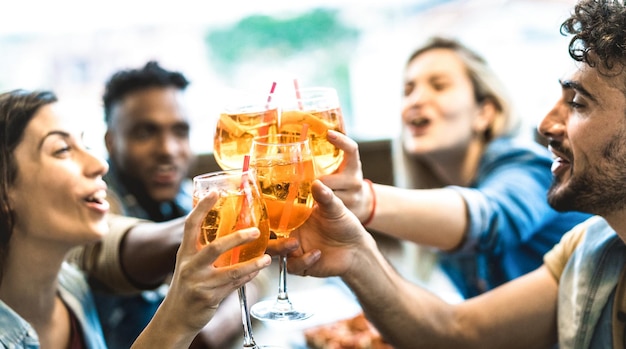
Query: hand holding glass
(239,206)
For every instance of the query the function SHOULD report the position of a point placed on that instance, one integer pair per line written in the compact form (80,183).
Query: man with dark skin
(147,139)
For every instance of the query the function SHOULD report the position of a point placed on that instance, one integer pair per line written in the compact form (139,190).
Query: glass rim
(318,88)
(317,93)
(255,100)
(323,98)
(250,109)
(225,173)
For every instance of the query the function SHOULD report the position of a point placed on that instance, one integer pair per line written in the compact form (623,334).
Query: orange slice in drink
(231,126)
(291,121)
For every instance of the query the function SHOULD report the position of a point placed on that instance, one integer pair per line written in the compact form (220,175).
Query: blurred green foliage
(318,39)
(253,35)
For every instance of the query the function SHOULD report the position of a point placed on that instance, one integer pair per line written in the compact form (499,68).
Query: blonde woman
(467,185)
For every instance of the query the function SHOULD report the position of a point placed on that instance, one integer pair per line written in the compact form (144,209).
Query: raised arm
(521,314)
(148,251)
(402,213)
(139,254)
(197,287)
(507,205)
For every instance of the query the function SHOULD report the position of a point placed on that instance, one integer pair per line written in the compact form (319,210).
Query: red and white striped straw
(269,96)
(298,97)
(267,118)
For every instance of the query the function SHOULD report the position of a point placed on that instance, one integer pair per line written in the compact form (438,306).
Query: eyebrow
(52,133)
(573,85)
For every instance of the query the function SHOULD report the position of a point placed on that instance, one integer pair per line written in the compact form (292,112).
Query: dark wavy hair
(131,80)
(599,33)
(17,109)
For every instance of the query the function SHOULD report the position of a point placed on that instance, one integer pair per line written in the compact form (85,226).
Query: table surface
(330,300)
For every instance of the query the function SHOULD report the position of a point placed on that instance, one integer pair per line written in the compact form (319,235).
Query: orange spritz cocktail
(239,206)
(277,178)
(327,156)
(319,108)
(285,173)
(235,131)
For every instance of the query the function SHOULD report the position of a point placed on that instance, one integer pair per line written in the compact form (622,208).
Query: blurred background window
(357,46)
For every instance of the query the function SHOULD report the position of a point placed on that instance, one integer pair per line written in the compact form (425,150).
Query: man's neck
(157,211)
(617,221)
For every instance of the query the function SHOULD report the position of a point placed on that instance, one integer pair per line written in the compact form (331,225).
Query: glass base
(277,310)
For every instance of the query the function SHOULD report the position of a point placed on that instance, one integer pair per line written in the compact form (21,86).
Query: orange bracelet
(371,216)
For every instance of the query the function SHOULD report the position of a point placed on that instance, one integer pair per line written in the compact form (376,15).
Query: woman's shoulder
(15,332)
(516,147)
(519,143)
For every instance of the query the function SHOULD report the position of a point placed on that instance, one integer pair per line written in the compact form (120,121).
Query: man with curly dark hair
(147,139)
(577,298)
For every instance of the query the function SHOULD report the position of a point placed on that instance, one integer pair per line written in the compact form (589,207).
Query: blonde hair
(411,172)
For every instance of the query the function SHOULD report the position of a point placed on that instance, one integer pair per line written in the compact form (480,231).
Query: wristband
(371,215)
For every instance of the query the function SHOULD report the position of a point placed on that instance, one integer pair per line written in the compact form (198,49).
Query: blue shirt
(123,317)
(15,332)
(511,224)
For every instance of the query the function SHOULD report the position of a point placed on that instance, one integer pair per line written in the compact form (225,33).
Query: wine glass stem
(282,277)
(248,339)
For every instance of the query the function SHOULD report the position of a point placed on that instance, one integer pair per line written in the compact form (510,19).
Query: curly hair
(127,81)
(599,33)
(17,109)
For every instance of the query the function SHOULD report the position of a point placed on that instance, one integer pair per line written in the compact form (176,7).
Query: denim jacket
(15,332)
(511,223)
(587,289)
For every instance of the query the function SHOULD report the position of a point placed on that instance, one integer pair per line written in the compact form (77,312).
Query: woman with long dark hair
(52,199)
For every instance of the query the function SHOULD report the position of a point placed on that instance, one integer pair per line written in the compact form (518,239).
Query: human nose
(552,126)
(96,165)
(412,102)
(416,97)
(169,144)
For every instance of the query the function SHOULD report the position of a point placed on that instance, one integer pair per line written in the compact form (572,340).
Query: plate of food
(353,333)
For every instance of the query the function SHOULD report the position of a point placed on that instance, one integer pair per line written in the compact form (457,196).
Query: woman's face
(59,194)
(439,112)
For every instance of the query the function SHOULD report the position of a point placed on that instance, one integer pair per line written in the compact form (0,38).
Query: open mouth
(98,200)
(560,162)
(165,175)
(165,168)
(559,165)
(420,122)
(98,197)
